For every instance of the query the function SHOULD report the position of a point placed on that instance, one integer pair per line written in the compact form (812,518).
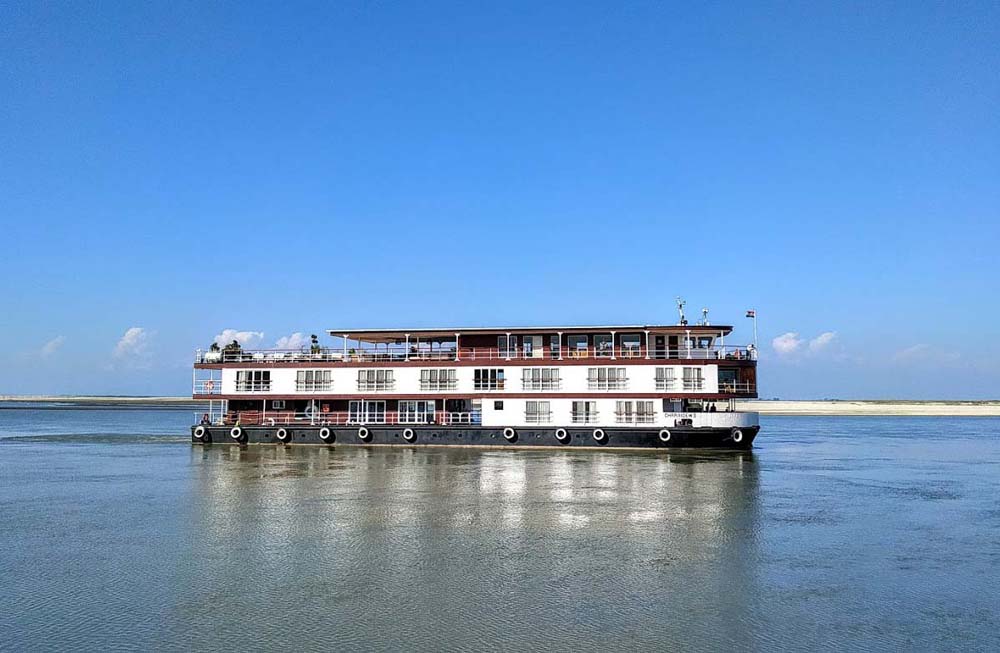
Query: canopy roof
(399,335)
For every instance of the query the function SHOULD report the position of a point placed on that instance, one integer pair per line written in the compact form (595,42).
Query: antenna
(680,309)
(704,317)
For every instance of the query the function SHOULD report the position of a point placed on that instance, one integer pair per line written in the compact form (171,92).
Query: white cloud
(134,344)
(245,338)
(924,353)
(297,340)
(787,343)
(52,346)
(822,341)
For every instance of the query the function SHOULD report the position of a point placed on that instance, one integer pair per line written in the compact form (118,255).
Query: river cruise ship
(648,386)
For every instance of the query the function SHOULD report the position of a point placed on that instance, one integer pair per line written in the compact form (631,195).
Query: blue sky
(172,170)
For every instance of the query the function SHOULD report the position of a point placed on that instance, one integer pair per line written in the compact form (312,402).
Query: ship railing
(401,355)
(625,417)
(737,387)
(336,418)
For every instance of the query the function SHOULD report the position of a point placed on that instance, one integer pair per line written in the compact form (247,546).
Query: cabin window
(693,378)
(631,344)
(497,405)
(253,381)
(416,412)
(576,345)
(313,380)
(438,379)
(488,379)
(665,378)
(278,404)
(537,412)
(603,345)
(584,412)
(634,412)
(540,378)
(507,349)
(375,380)
(366,412)
(606,378)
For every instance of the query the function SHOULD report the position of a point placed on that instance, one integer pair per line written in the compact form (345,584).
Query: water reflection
(560,538)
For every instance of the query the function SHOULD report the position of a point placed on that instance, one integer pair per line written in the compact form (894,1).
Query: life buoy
(600,435)
(737,436)
(200,432)
(325,433)
(562,436)
(236,433)
(270,421)
(409,435)
(510,434)
(363,433)
(664,435)
(283,434)
(209,386)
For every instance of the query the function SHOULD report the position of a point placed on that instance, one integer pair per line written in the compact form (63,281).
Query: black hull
(481,436)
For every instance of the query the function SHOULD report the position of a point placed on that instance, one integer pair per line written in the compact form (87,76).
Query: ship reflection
(654,526)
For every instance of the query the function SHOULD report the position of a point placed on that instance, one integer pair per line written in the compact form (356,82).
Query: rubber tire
(564,438)
(600,436)
(409,435)
(665,432)
(325,434)
(509,434)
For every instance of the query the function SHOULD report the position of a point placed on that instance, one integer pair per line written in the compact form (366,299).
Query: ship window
(278,404)
(537,412)
(416,412)
(606,378)
(497,405)
(313,380)
(603,345)
(375,380)
(630,343)
(540,378)
(253,380)
(665,378)
(489,379)
(438,379)
(693,378)
(584,412)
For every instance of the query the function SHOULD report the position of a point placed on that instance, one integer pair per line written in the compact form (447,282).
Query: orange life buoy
(210,385)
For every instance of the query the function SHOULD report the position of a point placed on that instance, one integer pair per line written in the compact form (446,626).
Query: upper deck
(548,345)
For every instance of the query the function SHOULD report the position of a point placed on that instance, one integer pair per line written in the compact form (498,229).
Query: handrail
(401,355)
(336,418)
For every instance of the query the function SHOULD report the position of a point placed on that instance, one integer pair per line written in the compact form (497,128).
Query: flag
(751,313)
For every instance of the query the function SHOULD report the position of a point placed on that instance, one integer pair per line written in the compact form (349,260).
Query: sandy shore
(882,408)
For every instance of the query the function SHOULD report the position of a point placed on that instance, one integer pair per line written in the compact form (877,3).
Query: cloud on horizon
(132,348)
(245,338)
(52,346)
(297,340)
(790,343)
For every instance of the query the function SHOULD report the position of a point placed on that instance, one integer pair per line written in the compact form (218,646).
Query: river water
(836,533)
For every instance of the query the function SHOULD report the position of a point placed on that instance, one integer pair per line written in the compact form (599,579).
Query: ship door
(673,353)
(659,347)
(533,346)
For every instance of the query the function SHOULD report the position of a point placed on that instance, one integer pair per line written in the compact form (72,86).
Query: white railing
(737,387)
(538,417)
(666,384)
(474,417)
(553,384)
(376,386)
(694,384)
(313,386)
(253,386)
(607,384)
(586,418)
(400,354)
(450,384)
(208,387)
(626,417)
